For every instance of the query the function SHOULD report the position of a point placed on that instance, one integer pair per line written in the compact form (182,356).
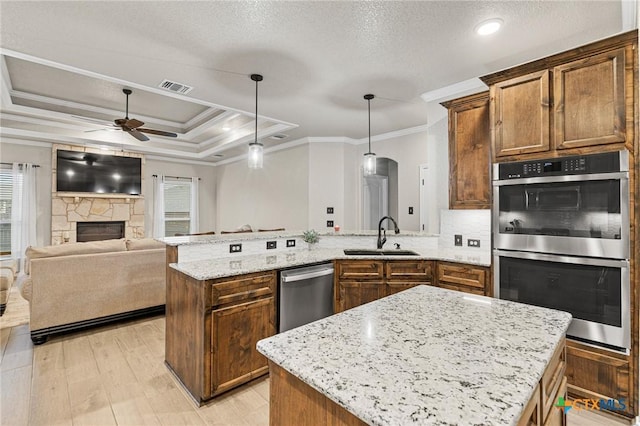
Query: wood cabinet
(362,281)
(212,329)
(577,99)
(469,152)
(520,114)
(467,278)
(596,373)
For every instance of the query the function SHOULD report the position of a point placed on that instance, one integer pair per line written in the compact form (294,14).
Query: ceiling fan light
(369,165)
(255,155)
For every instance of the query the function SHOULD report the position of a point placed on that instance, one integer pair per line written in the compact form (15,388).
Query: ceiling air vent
(279,136)
(172,86)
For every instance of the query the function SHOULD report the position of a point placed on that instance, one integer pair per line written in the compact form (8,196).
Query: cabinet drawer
(552,379)
(360,269)
(242,288)
(465,275)
(465,289)
(409,270)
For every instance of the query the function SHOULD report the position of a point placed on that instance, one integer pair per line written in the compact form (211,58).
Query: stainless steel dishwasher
(305,295)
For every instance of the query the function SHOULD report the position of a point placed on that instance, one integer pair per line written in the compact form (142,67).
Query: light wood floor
(116,375)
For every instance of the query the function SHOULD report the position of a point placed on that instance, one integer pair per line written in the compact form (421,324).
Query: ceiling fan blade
(136,134)
(92,120)
(133,123)
(157,132)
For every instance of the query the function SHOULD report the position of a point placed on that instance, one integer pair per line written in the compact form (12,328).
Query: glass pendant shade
(369,166)
(255,155)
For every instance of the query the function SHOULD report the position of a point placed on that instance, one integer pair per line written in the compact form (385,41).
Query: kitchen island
(423,356)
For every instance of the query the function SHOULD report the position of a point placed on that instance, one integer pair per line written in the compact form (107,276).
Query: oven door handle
(614,263)
(563,178)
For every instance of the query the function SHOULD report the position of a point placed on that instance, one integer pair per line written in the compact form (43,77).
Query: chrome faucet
(383,239)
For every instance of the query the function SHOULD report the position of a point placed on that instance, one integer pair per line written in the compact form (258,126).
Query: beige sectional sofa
(72,286)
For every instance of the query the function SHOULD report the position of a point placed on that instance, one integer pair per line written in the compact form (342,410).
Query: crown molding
(25,142)
(179,160)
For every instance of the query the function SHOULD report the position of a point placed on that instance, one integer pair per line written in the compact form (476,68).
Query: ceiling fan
(133,126)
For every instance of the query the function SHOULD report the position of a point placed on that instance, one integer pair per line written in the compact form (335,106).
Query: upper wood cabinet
(520,114)
(570,103)
(469,152)
(589,97)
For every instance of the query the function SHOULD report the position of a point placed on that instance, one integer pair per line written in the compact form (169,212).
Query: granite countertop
(237,265)
(244,236)
(425,356)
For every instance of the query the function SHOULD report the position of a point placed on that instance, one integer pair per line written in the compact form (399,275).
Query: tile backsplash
(471,224)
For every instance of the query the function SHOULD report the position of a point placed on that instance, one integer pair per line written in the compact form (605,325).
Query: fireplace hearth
(97,231)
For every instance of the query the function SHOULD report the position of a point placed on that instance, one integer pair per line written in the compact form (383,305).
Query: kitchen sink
(371,252)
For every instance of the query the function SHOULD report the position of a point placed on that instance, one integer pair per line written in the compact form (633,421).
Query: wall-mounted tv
(98,173)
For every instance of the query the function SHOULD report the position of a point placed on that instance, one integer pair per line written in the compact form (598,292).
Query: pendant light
(255,147)
(369,166)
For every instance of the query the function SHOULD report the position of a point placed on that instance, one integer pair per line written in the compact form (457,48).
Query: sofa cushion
(6,279)
(144,244)
(25,285)
(10,264)
(105,246)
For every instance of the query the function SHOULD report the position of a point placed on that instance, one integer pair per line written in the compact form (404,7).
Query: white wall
(273,197)
(326,185)
(409,151)
(207,190)
(437,185)
(19,152)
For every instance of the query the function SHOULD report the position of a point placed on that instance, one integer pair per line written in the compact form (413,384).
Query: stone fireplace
(70,209)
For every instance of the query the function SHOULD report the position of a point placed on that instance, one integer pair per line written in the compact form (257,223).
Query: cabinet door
(592,374)
(235,332)
(354,293)
(557,416)
(469,152)
(589,101)
(394,287)
(520,114)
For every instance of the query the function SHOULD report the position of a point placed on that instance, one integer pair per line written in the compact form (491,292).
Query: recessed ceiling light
(226,128)
(489,27)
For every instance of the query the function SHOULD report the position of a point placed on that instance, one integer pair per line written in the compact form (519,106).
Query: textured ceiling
(318,58)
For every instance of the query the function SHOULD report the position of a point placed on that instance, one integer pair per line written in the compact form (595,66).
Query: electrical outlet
(271,245)
(458,240)
(291,243)
(235,248)
(410,210)
(473,243)
(329,210)
(329,224)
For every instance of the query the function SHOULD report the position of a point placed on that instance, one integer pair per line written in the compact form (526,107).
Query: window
(177,206)
(6,192)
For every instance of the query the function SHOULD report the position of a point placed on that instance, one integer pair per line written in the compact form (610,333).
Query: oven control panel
(575,165)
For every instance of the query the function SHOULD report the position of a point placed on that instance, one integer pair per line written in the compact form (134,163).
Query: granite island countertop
(238,264)
(425,356)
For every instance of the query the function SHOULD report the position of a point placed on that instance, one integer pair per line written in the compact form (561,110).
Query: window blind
(177,202)
(6,191)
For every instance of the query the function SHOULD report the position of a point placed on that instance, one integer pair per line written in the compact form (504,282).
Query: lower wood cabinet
(541,409)
(362,281)
(598,374)
(463,277)
(212,327)
(356,293)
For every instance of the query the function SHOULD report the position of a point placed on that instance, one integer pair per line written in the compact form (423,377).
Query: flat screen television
(98,173)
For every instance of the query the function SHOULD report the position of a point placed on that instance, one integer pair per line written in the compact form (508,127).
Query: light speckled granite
(237,264)
(425,356)
(224,238)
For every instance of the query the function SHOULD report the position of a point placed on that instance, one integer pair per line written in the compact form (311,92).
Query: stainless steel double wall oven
(561,240)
